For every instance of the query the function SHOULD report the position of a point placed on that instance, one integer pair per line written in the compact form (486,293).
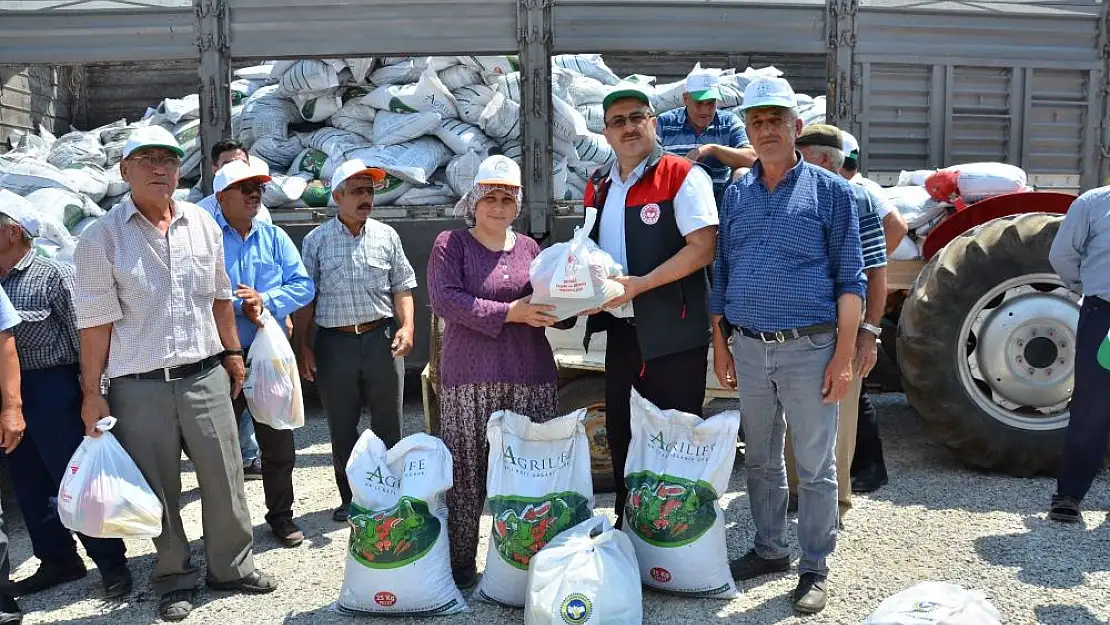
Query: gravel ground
(935,521)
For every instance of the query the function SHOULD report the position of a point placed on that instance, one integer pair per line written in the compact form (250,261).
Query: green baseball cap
(626,89)
(703,85)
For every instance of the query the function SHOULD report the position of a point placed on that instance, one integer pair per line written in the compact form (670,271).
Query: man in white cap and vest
(154,305)
(363,312)
(657,218)
(267,274)
(703,133)
(788,291)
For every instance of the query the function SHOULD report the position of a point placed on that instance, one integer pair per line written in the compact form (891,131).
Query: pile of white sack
(428,121)
(922,212)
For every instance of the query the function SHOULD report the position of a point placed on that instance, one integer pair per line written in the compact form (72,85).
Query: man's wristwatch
(233,352)
(873,329)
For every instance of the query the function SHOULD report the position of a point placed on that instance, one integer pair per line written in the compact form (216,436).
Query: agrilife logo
(661,575)
(576,609)
(385,599)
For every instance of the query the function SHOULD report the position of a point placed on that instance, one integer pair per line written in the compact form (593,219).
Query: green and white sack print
(398,557)
(678,466)
(538,485)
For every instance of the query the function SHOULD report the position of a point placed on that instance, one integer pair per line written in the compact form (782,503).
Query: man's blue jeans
(780,383)
(248,443)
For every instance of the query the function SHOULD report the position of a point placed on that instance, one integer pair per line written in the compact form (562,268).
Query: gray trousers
(155,419)
(352,371)
(780,385)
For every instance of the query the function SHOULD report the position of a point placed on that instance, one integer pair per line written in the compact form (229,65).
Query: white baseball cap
(19,210)
(851,146)
(703,84)
(498,169)
(151,137)
(768,92)
(237,171)
(355,167)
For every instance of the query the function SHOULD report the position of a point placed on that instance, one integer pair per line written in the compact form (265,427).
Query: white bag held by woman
(538,485)
(575,276)
(398,557)
(587,575)
(104,495)
(273,388)
(678,466)
(935,603)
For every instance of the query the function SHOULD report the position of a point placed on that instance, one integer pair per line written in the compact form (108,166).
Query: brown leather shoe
(288,533)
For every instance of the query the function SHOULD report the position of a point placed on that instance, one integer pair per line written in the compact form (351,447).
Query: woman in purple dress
(495,353)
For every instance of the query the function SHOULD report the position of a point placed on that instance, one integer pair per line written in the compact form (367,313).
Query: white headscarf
(467,206)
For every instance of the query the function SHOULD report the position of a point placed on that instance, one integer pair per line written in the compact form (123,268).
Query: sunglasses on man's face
(635,119)
(251,186)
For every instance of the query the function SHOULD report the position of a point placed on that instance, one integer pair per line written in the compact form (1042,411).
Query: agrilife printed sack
(586,575)
(575,276)
(538,485)
(103,494)
(394,128)
(678,465)
(273,388)
(398,558)
(427,95)
(935,603)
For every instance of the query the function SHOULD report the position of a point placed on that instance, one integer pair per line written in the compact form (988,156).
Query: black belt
(362,328)
(179,372)
(781,336)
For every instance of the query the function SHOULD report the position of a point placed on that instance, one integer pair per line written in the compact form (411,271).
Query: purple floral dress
(487,365)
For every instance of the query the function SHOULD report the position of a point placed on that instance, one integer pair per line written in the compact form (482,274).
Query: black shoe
(176,604)
(466,578)
(49,576)
(10,614)
(257,583)
(869,480)
(117,582)
(342,513)
(751,566)
(1065,509)
(811,595)
(253,471)
(288,533)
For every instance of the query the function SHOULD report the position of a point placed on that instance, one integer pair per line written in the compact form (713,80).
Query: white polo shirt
(694,207)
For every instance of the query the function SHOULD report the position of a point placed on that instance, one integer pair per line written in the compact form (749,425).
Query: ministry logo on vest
(649,214)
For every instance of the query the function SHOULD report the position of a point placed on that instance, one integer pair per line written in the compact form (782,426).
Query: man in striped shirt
(704,134)
(820,145)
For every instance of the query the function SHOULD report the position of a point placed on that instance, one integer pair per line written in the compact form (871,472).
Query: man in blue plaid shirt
(704,134)
(788,290)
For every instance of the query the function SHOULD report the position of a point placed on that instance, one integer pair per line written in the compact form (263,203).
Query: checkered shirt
(155,290)
(678,137)
(355,277)
(42,292)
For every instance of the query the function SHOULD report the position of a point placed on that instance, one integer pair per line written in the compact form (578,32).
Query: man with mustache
(658,219)
(266,268)
(223,153)
(702,133)
(154,305)
(364,312)
(788,292)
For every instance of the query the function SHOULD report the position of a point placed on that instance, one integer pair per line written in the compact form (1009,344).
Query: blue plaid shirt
(784,258)
(678,137)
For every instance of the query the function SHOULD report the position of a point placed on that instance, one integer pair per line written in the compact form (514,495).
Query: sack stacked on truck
(678,466)
(538,485)
(398,558)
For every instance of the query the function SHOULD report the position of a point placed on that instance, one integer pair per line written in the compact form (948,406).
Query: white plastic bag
(586,576)
(398,556)
(273,388)
(678,465)
(104,495)
(935,603)
(538,485)
(575,276)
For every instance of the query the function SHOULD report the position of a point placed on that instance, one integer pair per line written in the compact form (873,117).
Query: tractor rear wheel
(986,346)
